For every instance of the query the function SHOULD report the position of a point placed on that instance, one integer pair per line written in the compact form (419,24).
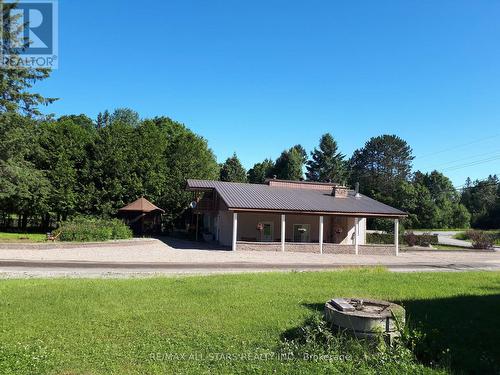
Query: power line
(458,146)
(469,157)
(471,164)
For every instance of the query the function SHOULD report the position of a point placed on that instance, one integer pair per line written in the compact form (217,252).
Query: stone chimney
(340,191)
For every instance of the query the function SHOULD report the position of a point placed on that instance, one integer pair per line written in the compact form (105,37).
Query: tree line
(383,167)
(51,170)
(54,169)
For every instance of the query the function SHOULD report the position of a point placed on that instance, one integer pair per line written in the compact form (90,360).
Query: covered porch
(329,233)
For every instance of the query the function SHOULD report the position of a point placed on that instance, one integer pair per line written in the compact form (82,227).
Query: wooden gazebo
(142,216)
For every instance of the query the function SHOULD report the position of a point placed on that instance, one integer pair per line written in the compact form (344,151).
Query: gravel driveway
(155,257)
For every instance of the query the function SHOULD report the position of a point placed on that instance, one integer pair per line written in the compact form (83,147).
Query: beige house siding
(225,227)
(336,229)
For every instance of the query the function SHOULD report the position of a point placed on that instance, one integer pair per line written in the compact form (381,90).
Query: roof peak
(142,205)
(302,182)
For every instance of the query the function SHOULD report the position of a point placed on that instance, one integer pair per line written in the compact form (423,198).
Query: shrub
(411,239)
(380,238)
(480,240)
(426,239)
(85,229)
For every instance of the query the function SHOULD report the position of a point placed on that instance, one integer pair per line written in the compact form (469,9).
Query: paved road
(172,257)
(446,238)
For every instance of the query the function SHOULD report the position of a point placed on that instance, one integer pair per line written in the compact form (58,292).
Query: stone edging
(72,245)
(468,250)
(313,247)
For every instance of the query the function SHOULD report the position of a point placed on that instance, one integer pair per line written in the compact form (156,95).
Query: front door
(301,232)
(267,231)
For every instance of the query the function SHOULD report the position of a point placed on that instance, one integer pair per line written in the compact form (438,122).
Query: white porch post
(396,235)
(356,235)
(283,232)
(321,234)
(235,229)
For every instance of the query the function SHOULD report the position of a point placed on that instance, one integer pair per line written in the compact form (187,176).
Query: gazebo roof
(140,205)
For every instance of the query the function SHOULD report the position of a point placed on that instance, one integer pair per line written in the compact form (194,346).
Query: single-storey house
(283,215)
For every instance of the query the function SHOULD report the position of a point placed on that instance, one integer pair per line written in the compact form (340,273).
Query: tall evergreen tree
(100,121)
(302,152)
(232,170)
(16,83)
(327,163)
(106,120)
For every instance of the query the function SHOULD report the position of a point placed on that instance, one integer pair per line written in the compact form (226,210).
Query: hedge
(481,239)
(409,239)
(85,229)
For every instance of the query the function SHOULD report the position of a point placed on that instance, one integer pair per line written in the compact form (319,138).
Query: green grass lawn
(22,237)
(178,325)
(435,230)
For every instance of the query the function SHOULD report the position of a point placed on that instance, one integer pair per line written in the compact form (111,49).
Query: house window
(267,231)
(301,233)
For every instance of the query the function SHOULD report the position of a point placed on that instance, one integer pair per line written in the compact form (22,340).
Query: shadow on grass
(461,332)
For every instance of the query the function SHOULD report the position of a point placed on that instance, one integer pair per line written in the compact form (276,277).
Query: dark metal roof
(141,205)
(262,197)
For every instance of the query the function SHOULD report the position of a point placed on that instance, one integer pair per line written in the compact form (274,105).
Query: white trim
(356,235)
(235,229)
(282,232)
(321,234)
(396,236)
(315,213)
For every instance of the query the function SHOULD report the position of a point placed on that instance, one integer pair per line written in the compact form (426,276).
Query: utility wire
(458,146)
(472,163)
(468,158)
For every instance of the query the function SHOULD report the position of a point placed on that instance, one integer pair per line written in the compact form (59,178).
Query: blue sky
(257,77)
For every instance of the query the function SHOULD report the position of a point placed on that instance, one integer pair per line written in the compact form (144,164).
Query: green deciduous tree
(290,164)
(327,163)
(65,160)
(24,189)
(232,170)
(482,199)
(433,202)
(187,156)
(380,166)
(260,171)
(126,116)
